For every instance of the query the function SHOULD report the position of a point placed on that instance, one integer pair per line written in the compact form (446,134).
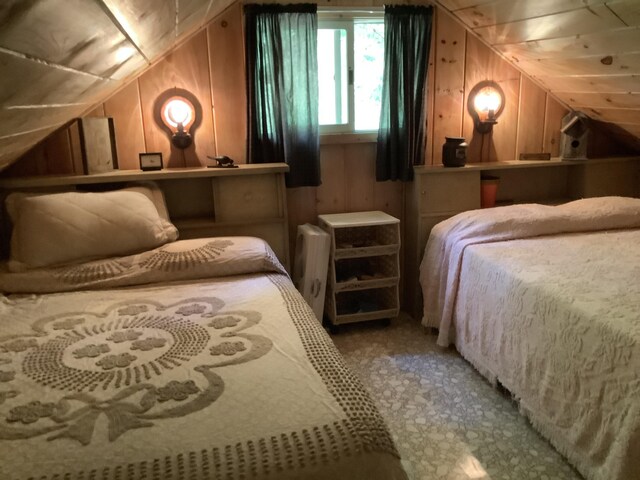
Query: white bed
(546,301)
(196,359)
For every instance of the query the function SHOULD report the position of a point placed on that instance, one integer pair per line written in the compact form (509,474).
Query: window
(350,68)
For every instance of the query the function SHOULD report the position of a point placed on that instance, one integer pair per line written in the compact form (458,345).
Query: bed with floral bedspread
(195,360)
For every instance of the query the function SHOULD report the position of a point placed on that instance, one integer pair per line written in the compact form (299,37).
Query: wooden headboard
(202,202)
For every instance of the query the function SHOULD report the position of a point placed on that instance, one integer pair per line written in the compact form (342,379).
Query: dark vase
(454,152)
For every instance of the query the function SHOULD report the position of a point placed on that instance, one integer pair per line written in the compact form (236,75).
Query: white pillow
(73,227)
(154,193)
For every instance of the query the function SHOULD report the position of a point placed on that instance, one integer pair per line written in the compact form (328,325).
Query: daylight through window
(350,68)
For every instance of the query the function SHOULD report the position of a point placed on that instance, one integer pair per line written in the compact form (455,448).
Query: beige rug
(447,421)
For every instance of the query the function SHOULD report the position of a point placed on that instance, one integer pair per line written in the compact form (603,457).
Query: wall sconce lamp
(179,113)
(485,104)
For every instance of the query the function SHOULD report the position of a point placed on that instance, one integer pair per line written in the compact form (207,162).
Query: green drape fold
(402,116)
(282,89)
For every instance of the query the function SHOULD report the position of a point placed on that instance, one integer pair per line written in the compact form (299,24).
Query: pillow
(72,227)
(154,193)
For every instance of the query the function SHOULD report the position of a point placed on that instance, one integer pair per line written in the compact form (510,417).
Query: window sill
(340,138)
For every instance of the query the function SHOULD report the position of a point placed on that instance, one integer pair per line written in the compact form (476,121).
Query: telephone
(222,162)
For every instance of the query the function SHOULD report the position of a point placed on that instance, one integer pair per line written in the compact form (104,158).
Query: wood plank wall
(585,52)
(531,118)
(210,64)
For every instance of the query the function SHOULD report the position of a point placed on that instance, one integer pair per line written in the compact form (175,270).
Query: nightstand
(364,266)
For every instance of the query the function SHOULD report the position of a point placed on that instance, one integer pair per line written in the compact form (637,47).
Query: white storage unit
(310,265)
(364,267)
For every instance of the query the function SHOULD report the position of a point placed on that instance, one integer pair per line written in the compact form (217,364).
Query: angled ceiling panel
(190,14)
(60,57)
(585,52)
(54,85)
(150,24)
(40,30)
(483,14)
(574,22)
(608,42)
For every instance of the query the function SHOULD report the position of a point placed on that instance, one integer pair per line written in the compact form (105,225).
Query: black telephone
(222,162)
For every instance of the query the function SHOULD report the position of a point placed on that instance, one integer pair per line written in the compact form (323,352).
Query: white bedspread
(440,267)
(555,319)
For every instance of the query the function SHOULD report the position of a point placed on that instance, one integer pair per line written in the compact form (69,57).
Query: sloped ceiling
(585,52)
(58,58)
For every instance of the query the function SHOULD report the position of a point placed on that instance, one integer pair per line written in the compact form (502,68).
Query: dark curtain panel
(407,31)
(282,89)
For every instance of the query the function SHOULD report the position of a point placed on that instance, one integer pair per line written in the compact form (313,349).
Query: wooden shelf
(511,164)
(138,175)
(353,285)
(365,316)
(358,219)
(372,251)
(249,200)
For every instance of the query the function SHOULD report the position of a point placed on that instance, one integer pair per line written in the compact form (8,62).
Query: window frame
(331,19)
(342,24)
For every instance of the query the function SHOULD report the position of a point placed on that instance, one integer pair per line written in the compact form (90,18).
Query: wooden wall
(530,122)
(60,57)
(210,64)
(584,51)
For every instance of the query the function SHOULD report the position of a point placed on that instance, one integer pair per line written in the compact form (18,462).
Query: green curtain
(406,53)
(282,89)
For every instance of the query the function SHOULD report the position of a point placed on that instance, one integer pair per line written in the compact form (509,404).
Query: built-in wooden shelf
(117,176)
(509,164)
(248,201)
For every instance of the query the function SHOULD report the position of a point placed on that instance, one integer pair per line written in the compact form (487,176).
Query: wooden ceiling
(58,58)
(585,52)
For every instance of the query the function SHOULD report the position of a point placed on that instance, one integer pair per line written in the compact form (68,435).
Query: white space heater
(310,265)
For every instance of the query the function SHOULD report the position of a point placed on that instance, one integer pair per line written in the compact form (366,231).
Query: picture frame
(97,144)
(150,161)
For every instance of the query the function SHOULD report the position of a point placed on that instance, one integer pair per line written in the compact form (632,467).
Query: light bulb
(487,100)
(177,112)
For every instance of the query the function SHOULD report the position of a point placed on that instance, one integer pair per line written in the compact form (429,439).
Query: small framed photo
(151,161)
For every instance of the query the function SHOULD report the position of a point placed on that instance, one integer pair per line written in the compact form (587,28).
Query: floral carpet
(447,421)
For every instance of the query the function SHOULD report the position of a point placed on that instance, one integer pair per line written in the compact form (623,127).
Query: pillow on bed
(72,227)
(154,193)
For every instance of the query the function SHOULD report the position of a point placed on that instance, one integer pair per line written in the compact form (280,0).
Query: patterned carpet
(447,421)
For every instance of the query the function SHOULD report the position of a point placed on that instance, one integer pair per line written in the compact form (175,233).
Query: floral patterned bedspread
(228,377)
(181,260)
(556,320)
